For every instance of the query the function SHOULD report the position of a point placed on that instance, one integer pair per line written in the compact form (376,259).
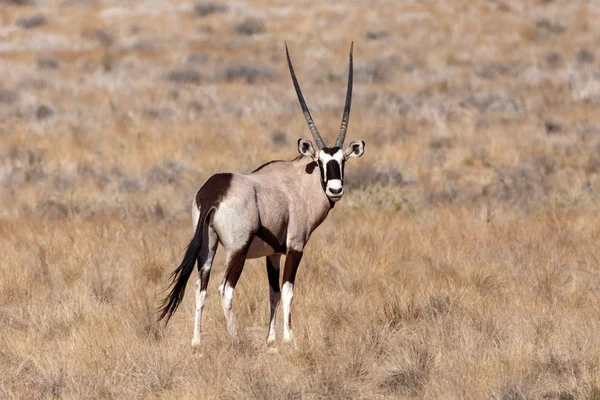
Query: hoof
(195,346)
(291,342)
(272,350)
(197,351)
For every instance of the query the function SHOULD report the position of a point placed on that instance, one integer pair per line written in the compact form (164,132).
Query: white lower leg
(226,302)
(222,285)
(287,293)
(200,302)
(274,300)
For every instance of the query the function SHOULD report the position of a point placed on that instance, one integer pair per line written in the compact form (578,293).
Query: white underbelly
(258,248)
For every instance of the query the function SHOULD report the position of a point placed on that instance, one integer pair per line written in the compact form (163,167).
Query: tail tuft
(181,275)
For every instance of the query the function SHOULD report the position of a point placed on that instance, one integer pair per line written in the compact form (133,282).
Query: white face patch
(332,173)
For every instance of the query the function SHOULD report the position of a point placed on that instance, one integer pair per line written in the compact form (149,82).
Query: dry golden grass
(445,304)
(461,263)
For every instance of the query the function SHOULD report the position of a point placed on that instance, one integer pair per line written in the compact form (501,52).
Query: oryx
(267,213)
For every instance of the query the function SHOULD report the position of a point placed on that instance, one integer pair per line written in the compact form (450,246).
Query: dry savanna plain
(462,262)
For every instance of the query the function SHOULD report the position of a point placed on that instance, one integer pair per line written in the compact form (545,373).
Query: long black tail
(180,276)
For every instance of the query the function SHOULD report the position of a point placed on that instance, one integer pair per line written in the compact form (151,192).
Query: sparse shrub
(53,210)
(44,112)
(194,108)
(438,305)
(521,185)
(376,34)
(47,63)
(382,138)
(145,45)
(564,395)
(593,164)
(544,28)
(554,60)
(546,165)
(188,75)
(166,173)
(153,271)
(23,164)
(130,184)
(103,287)
(589,131)
(143,317)
(585,56)
(101,36)
(560,367)
(379,70)
(368,176)
(32,22)
(251,26)
(198,58)
(280,138)
(553,128)
(248,72)
(8,97)
(491,102)
(491,71)
(440,143)
(396,314)
(18,2)
(393,103)
(594,392)
(409,375)
(512,393)
(204,8)
(160,113)
(446,195)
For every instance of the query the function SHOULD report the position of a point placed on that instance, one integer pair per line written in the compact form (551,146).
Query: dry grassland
(462,262)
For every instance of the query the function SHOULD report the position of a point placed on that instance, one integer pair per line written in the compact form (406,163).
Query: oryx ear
(306,148)
(356,149)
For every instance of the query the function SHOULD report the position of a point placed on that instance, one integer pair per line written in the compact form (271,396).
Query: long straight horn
(344,127)
(309,120)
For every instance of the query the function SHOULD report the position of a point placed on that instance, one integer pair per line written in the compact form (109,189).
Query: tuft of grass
(206,8)
(187,75)
(34,21)
(251,26)
(248,73)
(44,112)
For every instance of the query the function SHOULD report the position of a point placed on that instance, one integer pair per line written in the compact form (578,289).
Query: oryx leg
(292,260)
(222,285)
(205,259)
(274,293)
(235,264)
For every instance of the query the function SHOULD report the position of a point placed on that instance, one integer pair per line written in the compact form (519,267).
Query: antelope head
(331,160)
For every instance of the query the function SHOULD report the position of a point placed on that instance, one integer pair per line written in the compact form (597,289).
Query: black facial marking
(333,170)
(330,150)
